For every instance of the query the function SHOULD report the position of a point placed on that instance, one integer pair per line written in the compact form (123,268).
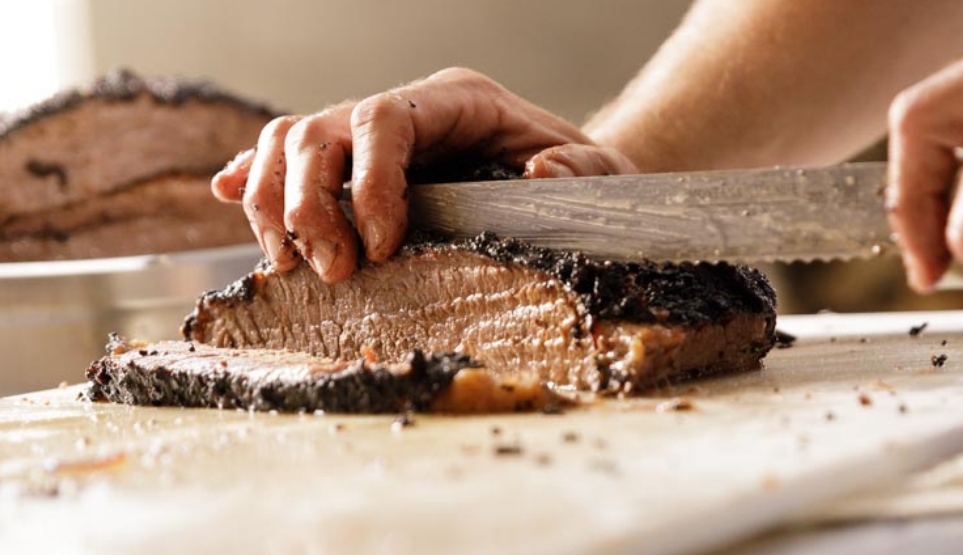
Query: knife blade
(755,215)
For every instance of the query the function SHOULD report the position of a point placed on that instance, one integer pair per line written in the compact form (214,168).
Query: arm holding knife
(739,84)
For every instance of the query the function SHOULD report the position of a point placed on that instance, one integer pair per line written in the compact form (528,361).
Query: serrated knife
(772,214)
(783,214)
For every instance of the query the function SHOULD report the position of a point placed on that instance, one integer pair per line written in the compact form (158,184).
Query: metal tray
(55,316)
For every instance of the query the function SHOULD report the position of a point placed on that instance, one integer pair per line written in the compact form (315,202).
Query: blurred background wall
(304,54)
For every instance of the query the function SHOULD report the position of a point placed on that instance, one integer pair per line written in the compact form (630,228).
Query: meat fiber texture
(534,322)
(122,167)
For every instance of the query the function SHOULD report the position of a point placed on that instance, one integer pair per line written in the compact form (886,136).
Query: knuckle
(299,136)
(552,153)
(277,127)
(374,109)
(466,76)
(574,151)
(455,73)
(469,78)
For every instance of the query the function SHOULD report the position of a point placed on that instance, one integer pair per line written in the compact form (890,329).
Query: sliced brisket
(97,162)
(184,374)
(524,312)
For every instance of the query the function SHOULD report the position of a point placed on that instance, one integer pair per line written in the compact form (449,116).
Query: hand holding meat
(290,185)
(926,129)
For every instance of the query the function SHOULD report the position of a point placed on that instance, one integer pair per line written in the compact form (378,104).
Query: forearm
(763,82)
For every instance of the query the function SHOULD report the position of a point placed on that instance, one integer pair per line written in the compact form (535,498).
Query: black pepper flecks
(914,331)
(362,387)
(938,360)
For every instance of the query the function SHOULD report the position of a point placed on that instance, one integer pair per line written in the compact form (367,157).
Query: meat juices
(533,321)
(122,168)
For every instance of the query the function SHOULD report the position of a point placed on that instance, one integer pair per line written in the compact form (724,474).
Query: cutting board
(682,470)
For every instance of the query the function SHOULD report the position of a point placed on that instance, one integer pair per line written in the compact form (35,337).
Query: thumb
(571,160)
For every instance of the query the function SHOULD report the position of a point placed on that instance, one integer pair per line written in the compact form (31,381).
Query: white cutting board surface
(613,477)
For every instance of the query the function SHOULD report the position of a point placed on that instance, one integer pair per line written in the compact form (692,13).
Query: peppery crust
(157,376)
(123,85)
(643,292)
(640,292)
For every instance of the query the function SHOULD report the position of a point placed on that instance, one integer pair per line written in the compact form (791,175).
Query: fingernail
(271,241)
(374,235)
(322,258)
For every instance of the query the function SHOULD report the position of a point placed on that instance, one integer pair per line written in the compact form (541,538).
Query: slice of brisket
(184,374)
(524,312)
(95,162)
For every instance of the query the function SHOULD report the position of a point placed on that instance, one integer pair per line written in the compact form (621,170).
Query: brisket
(537,322)
(121,159)
(170,213)
(184,374)
(528,313)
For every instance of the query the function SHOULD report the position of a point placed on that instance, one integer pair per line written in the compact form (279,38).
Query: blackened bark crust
(123,85)
(362,387)
(642,292)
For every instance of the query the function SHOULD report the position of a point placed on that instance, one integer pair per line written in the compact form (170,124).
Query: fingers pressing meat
(455,114)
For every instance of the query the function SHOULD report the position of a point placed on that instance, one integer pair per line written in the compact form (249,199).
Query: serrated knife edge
(773,214)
